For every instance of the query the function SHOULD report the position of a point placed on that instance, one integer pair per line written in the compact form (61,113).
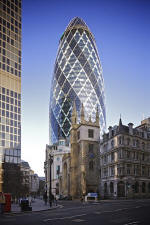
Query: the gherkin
(77,77)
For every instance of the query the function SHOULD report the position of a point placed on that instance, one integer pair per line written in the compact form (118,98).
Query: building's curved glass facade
(77,77)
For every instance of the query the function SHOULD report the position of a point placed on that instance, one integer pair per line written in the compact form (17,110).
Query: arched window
(112,143)
(111,187)
(143,187)
(120,140)
(91,165)
(136,187)
(143,146)
(105,188)
(137,143)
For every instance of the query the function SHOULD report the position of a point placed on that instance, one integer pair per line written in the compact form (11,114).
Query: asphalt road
(119,212)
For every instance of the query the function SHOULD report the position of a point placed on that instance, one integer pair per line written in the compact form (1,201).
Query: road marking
(136,222)
(78,220)
(116,210)
(138,207)
(63,218)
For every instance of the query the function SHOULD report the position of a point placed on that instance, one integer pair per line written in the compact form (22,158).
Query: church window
(90,148)
(91,165)
(78,135)
(90,133)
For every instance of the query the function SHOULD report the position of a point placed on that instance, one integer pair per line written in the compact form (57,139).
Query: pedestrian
(81,199)
(50,201)
(2,202)
(56,199)
(30,200)
(45,198)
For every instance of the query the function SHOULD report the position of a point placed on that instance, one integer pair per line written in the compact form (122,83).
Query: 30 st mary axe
(77,77)
(10,81)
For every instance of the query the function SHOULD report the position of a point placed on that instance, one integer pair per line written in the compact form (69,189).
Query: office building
(53,165)
(10,82)
(77,77)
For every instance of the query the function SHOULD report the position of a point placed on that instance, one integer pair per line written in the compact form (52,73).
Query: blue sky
(122,32)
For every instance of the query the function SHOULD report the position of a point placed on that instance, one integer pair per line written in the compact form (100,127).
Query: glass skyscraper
(10,82)
(77,77)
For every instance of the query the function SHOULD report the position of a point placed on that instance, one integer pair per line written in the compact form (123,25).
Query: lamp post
(50,175)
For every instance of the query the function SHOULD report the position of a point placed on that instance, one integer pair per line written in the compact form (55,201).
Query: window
(128,154)
(143,187)
(112,156)
(78,135)
(137,144)
(134,143)
(143,156)
(143,146)
(58,170)
(105,172)
(111,187)
(143,170)
(128,169)
(136,187)
(112,170)
(105,159)
(90,133)
(112,143)
(91,165)
(90,148)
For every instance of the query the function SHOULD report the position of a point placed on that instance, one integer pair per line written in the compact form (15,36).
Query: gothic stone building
(80,174)
(125,161)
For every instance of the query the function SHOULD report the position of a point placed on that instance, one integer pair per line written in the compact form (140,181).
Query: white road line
(136,222)
(117,210)
(78,220)
(63,218)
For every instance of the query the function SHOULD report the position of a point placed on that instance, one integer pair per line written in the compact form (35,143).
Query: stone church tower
(84,156)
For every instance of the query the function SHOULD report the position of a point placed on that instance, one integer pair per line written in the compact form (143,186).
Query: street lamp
(50,175)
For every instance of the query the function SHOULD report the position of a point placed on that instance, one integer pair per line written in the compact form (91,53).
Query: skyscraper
(77,77)
(10,82)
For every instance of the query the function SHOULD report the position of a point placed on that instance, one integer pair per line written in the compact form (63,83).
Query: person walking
(50,201)
(2,202)
(45,198)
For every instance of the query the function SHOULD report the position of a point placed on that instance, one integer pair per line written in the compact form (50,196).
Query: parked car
(61,197)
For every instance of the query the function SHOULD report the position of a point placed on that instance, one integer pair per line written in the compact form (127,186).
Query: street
(120,212)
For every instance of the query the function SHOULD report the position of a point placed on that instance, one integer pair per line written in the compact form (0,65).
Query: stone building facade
(56,151)
(80,174)
(125,161)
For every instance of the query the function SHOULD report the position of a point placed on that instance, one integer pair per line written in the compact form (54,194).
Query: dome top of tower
(77,21)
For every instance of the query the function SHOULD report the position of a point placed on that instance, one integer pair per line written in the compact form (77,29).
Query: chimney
(130,128)
(110,131)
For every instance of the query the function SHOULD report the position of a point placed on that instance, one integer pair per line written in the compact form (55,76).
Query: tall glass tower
(10,82)
(77,77)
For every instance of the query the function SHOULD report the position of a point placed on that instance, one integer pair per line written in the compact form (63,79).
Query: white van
(93,197)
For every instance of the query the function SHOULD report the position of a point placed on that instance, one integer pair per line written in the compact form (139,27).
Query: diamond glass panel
(78,77)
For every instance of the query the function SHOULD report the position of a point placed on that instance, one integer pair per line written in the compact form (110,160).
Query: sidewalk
(37,205)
